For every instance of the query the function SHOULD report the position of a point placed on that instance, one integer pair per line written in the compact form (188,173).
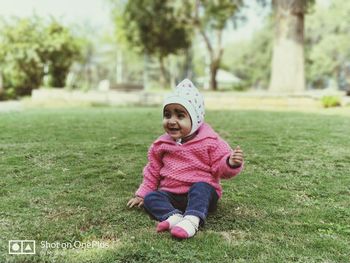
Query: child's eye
(181,116)
(167,115)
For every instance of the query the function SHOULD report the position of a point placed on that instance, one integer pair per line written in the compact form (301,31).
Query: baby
(181,181)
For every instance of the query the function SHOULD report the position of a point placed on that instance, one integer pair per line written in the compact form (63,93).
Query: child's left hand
(236,158)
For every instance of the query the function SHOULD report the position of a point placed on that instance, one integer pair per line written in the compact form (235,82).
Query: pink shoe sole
(179,232)
(163,226)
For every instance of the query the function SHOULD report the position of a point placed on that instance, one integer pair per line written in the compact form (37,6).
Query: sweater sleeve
(219,166)
(151,173)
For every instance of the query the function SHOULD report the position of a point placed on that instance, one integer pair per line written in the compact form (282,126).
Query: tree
(26,46)
(21,48)
(61,50)
(130,60)
(327,42)
(245,60)
(212,17)
(288,48)
(156,27)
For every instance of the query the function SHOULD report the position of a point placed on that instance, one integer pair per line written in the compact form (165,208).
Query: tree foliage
(162,28)
(61,50)
(154,26)
(215,14)
(250,60)
(21,50)
(210,18)
(157,28)
(328,42)
(26,46)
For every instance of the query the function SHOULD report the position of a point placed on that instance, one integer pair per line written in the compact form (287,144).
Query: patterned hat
(187,95)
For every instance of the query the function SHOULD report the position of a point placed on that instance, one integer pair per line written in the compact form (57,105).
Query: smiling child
(181,182)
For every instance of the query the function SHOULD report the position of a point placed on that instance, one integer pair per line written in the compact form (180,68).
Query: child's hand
(236,158)
(137,200)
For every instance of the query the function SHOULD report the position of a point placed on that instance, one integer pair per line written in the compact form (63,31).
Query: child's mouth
(174,129)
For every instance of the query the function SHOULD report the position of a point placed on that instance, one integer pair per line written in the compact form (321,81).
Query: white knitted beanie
(187,95)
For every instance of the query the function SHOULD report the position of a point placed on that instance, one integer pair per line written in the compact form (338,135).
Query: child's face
(176,121)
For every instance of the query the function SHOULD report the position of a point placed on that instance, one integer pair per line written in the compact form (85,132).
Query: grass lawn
(66,175)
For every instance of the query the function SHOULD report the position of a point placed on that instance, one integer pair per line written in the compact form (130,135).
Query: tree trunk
(215,52)
(2,90)
(288,50)
(215,59)
(188,67)
(163,73)
(119,68)
(214,67)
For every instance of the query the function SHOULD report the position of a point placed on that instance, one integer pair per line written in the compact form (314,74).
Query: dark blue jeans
(200,199)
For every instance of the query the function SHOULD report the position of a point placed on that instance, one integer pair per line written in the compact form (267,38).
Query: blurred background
(145,47)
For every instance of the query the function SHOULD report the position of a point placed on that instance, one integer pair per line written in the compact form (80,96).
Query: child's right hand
(137,200)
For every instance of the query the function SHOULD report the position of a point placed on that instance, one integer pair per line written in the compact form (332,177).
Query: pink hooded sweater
(175,167)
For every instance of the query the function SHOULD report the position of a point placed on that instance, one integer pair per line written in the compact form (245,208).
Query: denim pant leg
(202,198)
(159,205)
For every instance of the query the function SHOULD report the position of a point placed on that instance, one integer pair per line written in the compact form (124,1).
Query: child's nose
(172,121)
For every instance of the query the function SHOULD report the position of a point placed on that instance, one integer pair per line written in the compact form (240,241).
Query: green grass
(66,175)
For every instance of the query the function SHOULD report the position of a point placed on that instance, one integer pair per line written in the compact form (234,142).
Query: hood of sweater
(204,131)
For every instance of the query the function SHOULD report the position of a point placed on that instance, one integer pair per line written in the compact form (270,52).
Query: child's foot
(169,223)
(186,228)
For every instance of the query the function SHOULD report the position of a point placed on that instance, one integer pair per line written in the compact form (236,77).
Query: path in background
(213,100)
(308,102)
(6,106)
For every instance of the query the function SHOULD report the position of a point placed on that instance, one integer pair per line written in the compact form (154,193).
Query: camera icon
(21,247)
